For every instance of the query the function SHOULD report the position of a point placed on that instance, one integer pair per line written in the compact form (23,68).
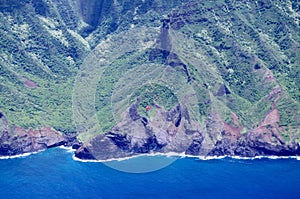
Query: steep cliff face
(91,11)
(16,141)
(167,131)
(195,77)
(43,44)
(175,131)
(241,95)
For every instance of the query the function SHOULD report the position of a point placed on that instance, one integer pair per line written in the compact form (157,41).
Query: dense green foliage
(254,47)
(42,52)
(154,95)
(232,53)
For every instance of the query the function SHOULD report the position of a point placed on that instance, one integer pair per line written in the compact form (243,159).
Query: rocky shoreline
(120,146)
(137,135)
(244,147)
(17,141)
(216,72)
(30,141)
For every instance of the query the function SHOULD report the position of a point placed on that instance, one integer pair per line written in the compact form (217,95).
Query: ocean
(55,174)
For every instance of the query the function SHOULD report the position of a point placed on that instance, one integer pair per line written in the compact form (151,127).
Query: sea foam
(182,155)
(68,149)
(19,156)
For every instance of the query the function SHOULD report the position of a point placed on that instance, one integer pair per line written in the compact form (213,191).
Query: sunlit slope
(241,59)
(235,62)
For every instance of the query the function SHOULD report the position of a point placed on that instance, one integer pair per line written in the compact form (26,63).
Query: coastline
(20,155)
(182,155)
(68,149)
(168,155)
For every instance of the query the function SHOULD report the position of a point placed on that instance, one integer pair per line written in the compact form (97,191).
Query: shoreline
(20,155)
(168,155)
(68,149)
(182,155)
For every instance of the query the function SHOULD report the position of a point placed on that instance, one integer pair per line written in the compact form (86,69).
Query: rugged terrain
(131,77)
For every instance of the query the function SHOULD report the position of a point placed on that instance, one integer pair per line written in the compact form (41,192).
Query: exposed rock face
(175,131)
(168,131)
(254,144)
(121,142)
(16,141)
(90,11)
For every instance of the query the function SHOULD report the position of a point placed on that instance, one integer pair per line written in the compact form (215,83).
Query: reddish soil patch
(45,131)
(269,126)
(172,130)
(235,131)
(267,133)
(274,95)
(235,128)
(268,76)
(30,84)
(260,129)
(19,131)
(271,118)
(235,119)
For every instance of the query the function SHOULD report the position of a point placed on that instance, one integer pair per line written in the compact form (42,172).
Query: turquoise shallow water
(54,174)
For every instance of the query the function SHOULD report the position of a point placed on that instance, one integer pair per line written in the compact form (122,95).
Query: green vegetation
(247,47)
(153,94)
(42,51)
(254,47)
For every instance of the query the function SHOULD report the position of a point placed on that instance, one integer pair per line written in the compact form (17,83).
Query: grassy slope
(235,44)
(245,41)
(40,49)
(247,46)
(46,43)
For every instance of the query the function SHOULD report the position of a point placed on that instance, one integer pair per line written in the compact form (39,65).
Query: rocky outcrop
(167,131)
(254,144)
(180,139)
(16,141)
(91,11)
(175,131)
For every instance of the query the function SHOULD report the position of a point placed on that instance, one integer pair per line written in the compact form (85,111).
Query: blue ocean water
(54,174)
